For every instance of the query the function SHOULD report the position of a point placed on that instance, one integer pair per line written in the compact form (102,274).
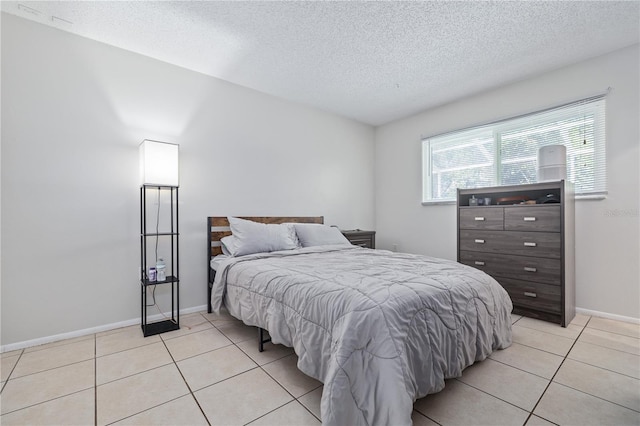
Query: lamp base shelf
(159,327)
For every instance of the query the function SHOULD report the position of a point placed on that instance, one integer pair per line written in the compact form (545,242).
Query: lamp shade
(159,163)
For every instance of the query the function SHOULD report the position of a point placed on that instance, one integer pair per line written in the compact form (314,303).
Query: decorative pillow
(253,237)
(311,234)
(228,245)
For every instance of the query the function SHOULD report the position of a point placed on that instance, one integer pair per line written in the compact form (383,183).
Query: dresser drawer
(537,244)
(525,268)
(538,218)
(533,295)
(482,218)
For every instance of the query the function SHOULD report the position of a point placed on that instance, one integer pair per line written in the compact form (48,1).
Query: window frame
(498,128)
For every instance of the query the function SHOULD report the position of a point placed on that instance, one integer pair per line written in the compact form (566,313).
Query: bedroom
(75,110)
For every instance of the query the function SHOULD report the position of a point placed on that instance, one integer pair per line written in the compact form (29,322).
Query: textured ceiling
(371,61)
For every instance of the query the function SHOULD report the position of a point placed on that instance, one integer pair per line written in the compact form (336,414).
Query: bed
(379,329)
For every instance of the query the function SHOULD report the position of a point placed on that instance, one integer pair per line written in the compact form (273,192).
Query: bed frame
(218,228)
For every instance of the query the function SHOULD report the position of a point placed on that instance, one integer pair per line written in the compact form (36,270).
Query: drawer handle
(530,269)
(478,218)
(479,241)
(529,218)
(528,244)
(530,294)
(479,263)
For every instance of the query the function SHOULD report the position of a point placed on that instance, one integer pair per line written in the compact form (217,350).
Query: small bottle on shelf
(160,270)
(152,274)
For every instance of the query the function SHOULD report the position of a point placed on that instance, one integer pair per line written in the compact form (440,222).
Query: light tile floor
(210,372)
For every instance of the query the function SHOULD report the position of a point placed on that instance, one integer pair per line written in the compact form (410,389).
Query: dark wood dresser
(361,238)
(524,238)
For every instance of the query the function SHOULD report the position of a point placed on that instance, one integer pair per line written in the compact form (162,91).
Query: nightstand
(361,238)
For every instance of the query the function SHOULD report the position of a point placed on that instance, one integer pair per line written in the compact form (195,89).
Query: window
(505,152)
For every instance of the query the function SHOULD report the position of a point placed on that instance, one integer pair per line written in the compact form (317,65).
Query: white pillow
(311,234)
(228,245)
(253,237)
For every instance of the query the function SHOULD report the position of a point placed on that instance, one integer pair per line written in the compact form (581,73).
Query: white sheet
(216,261)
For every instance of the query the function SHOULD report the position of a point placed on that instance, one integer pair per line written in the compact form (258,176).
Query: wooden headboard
(218,228)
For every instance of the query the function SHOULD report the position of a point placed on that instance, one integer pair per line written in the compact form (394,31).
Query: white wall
(73,114)
(607,231)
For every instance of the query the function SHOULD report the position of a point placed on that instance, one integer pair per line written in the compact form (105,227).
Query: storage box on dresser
(527,248)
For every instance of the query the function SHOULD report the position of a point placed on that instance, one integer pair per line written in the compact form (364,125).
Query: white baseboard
(113,326)
(84,332)
(607,315)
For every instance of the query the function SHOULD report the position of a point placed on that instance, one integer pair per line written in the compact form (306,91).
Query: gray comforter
(379,329)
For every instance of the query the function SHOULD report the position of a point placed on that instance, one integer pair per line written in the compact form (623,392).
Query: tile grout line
(57,344)
(615,332)
(161,340)
(601,368)
(124,350)
(145,410)
(605,369)
(185,381)
(494,396)
(134,374)
(528,327)
(269,412)
(95,337)
(206,352)
(12,370)
(95,380)
(157,366)
(285,389)
(598,397)
(191,392)
(188,387)
(556,373)
(22,352)
(424,415)
(307,408)
(226,346)
(174,362)
(50,369)
(258,366)
(264,371)
(543,350)
(228,378)
(613,349)
(213,350)
(270,362)
(530,413)
(54,398)
(522,369)
(548,332)
(46,400)
(272,378)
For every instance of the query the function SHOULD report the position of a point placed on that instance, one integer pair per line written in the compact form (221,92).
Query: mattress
(379,329)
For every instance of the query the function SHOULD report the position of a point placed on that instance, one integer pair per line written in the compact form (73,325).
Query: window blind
(505,152)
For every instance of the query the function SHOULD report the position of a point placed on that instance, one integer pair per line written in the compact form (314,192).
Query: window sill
(591,197)
(586,197)
(439,202)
